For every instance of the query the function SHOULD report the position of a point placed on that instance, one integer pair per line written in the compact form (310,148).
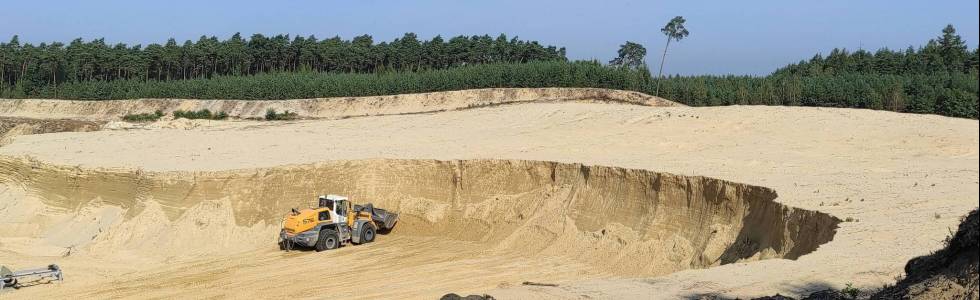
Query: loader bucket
(382,217)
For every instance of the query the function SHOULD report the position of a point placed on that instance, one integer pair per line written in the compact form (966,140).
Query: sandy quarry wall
(322,107)
(623,221)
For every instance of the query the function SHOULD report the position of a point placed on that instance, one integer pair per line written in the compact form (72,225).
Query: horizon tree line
(945,53)
(940,77)
(54,63)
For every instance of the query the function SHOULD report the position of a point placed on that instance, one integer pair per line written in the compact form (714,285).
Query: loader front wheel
(328,240)
(368,234)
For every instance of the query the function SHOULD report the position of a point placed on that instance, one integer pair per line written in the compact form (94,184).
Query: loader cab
(338,206)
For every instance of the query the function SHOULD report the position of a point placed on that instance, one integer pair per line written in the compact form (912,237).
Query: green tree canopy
(28,67)
(674,30)
(631,55)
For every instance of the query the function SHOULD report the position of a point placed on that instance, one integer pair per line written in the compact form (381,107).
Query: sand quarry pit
(605,197)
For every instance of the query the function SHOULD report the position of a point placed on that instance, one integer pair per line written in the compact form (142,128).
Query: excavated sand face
(619,221)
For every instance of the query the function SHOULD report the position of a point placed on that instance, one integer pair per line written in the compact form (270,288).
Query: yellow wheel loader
(334,222)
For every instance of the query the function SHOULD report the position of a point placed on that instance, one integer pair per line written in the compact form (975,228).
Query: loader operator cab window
(341,207)
(324,202)
(324,215)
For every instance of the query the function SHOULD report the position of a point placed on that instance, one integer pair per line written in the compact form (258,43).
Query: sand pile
(341,107)
(622,221)
(11,127)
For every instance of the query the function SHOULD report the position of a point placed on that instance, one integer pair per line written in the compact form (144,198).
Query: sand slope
(901,180)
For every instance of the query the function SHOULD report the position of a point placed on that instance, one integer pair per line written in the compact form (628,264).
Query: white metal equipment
(10,278)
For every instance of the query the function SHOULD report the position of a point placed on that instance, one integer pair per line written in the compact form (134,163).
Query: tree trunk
(661,73)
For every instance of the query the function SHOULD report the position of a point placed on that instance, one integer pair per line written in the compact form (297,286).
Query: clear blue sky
(727,37)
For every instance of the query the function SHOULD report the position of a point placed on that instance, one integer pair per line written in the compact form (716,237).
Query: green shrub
(272,115)
(200,114)
(850,291)
(143,117)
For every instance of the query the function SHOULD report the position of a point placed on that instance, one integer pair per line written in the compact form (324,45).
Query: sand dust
(493,197)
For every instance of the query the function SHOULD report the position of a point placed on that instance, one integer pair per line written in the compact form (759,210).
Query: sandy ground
(901,180)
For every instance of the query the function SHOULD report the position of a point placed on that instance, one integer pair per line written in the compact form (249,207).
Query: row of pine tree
(940,77)
(32,66)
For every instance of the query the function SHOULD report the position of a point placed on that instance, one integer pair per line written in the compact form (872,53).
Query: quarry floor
(900,182)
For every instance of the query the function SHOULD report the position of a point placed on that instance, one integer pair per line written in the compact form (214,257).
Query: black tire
(328,240)
(9,282)
(368,233)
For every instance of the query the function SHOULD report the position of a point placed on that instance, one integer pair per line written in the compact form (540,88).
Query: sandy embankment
(341,107)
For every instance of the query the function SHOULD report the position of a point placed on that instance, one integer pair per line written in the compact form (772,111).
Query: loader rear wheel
(368,234)
(328,240)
